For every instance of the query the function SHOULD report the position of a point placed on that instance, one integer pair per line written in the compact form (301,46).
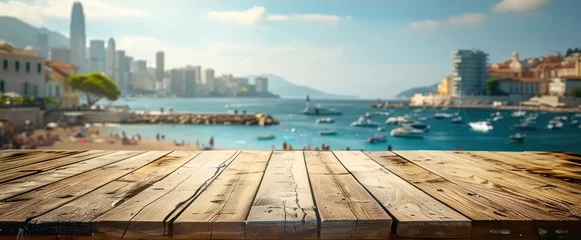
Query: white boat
(406,133)
(319,110)
(325,120)
(496,118)
(418,126)
(456,120)
(555,125)
(578,115)
(366,123)
(518,138)
(442,115)
(422,118)
(398,120)
(481,126)
(518,113)
(377,139)
(574,122)
(525,125)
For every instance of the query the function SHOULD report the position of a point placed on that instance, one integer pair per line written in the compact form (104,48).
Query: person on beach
(211,142)
(389,147)
(157,137)
(348,149)
(163,137)
(290,147)
(284,145)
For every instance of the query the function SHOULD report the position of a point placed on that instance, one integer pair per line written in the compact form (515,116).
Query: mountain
(286,89)
(413,91)
(22,34)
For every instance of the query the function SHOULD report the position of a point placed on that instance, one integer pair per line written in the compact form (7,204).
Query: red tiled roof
(548,65)
(525,79)
(552,59)
(570,77)
(61,65)
(7,49)
(568,65)
(502,70)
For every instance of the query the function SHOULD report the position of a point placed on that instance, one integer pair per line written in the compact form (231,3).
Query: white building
(190,79)
(60,54)
(177,79)
(144,80)
(210,79)
(97,56)
(110,63)
(139,66)
(470,72)
(159,66)
(120,75)
(21,72)
(563,86)
(261,84)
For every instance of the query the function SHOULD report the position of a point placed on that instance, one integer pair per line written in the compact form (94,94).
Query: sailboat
(519,113)
(318,110)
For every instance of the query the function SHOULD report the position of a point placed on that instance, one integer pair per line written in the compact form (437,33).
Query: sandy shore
(100,142)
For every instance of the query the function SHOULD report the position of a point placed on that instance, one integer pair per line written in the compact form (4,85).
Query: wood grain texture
(551,167)
(416,213)
(489,218)
(549,214)
(345,208)
(149,213)
(22,185)
(39,167)
(284,206)
(74,218)
(33,157)
(17,210)
(220,211)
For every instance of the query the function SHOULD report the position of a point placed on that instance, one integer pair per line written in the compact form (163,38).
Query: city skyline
(372,50)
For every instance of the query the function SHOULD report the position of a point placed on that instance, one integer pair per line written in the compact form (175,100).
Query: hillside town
(550,81)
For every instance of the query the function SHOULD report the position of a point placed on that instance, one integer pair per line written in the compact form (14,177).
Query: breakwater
(260,119)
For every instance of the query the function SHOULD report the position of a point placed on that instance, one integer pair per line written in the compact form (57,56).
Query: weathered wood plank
(15,211)
(74,218)
(220,211)
(33,157)
(550,213)
(149,213)
(22,185)
(35,168)
(489,218)
(284,206)
(345,208)
(568,157)
(416,213)
(554,167)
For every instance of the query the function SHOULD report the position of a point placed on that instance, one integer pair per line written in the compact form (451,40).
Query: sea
(300,131)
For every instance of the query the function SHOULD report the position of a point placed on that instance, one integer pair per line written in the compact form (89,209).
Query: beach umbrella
(52,125)
(12,95)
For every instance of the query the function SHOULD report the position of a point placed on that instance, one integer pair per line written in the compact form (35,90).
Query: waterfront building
(62,54)
(190,74)
(527,87)
(261,84)
(110,63)
(21,71)
(563,86)
(470,74)
(77,40)
(97,56)
(33,49)
(57,87)
(210,79)
(139,66)
(144,80)
(159,66)
(42,43)
(119,74)
(177,79)
(445,87)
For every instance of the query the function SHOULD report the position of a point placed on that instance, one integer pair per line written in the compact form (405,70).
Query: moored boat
(406,133)
(442,115)
(377,139)
(325,120)
(456,120)
(328,133)
(518,137)
(266,137)
(482,126)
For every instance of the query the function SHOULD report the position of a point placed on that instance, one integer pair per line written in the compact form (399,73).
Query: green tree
(576,93)
(95,86)
(493,86)
(576,50)
(569,52)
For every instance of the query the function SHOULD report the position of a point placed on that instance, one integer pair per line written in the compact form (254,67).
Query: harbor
(233,194)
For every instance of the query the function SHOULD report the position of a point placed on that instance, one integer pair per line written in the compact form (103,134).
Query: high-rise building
(111,58)
(470,72)
(139,66)
(42,42)
(119,75)
(210,79)
(261,84)
(128,84)
(190,74)
(77,41)
(97,56)
(177,85)
(60,54)
(159,66)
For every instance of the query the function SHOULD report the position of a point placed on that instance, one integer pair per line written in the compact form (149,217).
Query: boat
(418,126)
(366,123)
(266,137)
(577,115)
(422,118)
(377,139)
(328,133)
(561,118)
(402,132)
(380,129)
(325,120)
(482,126)
(525,125)
(442,115)
(518,138)
(518,113)
(456,120)
(574,122)
(555,125)
(399,120)
(319,110)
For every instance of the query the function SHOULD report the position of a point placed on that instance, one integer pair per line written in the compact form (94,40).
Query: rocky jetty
(204,118)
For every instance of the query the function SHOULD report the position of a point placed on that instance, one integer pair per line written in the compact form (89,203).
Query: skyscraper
(119,75)
(60,54)
(469,74)
(111,57)
(177,82)
(190,81)
(139,66)
(97,56)
(159,66)
(210,78)
(261,84)
(42,42)
(77,41)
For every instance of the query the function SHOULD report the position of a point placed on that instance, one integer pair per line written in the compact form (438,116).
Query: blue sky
(369,48)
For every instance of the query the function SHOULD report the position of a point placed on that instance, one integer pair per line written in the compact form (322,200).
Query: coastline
(515,108)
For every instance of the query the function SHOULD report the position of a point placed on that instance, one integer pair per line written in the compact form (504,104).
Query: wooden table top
(230,194)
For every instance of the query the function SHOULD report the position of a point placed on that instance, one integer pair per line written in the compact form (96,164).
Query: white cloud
(519,5)
(248,17)
(35,13)
(467,19)
(256,14)
(426,26)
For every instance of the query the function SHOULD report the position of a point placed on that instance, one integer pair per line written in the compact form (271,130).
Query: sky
(369,48)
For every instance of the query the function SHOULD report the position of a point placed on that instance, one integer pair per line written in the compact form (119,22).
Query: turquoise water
(442,135)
